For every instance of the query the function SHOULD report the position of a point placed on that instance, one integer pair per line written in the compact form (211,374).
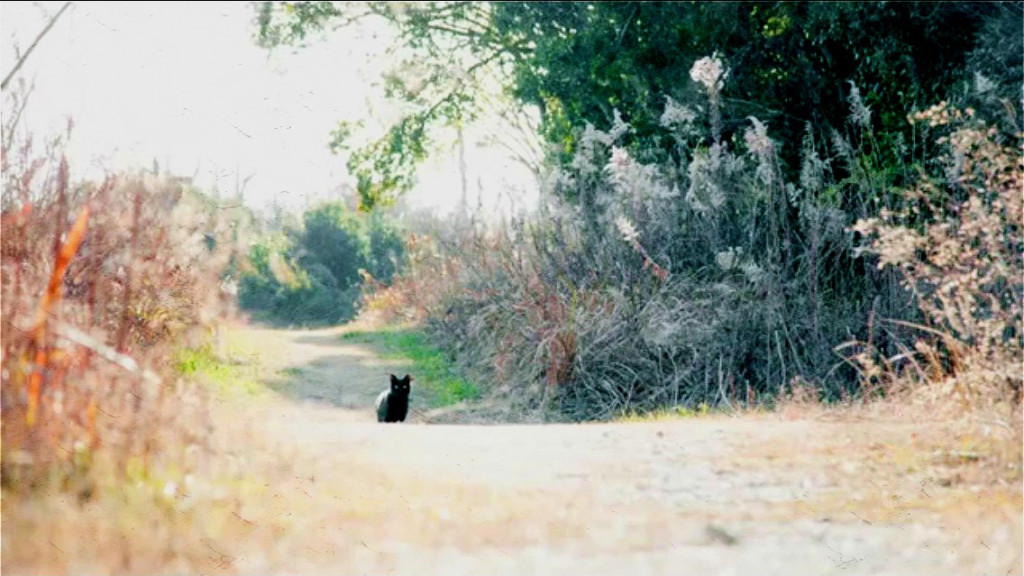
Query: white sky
(184,83)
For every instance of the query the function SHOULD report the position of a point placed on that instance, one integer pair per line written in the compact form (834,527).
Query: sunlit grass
(431,370)
(669,413)
(234,373)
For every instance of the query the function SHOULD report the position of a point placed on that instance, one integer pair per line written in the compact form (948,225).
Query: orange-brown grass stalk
(101,284)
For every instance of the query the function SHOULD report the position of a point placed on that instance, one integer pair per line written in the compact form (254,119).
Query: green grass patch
(433,372)
(227,378)
(668,413)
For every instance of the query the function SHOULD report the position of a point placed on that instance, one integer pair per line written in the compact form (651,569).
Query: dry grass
(90,326)
(102,283)
(639,296)
(958,247)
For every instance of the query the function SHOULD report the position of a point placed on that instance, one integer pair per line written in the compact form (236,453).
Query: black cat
(393,404)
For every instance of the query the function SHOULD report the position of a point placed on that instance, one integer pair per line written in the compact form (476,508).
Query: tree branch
(11,124)
(21,61)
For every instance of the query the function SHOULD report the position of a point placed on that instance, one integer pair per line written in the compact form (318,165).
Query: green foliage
(443,49)
(302,19)
(708,161)
(790,65)
(312,275)
(385,247)
(333,245)
(225,378)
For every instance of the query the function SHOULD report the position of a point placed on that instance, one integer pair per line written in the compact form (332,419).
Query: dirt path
(715,495)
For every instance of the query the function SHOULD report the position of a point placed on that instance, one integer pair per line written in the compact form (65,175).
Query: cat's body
(393,404)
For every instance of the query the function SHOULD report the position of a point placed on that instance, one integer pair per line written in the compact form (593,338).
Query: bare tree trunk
(464,204)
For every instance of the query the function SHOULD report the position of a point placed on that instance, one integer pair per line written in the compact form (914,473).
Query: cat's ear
(394,379)
(407,379)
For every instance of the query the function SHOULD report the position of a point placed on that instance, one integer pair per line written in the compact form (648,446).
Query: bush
(959,249)
(313,275)
(101,284)
(703,277)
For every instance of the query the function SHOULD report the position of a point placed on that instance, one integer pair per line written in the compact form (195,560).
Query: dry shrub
(415,293)
(101,283)
(958,247)
(515,316)
(705,277)
(647,279)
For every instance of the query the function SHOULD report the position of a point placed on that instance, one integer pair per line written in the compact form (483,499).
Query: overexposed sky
(184,84)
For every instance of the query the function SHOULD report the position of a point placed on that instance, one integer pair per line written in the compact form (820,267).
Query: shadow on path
(319,366)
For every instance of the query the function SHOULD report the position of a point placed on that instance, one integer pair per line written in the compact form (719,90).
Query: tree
(791,64)
(444,49)
(332,238)
(312,272)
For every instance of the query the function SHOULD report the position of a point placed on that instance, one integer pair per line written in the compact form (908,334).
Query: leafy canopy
(791,64)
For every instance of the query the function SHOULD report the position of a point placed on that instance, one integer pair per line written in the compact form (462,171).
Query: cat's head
(400,385)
